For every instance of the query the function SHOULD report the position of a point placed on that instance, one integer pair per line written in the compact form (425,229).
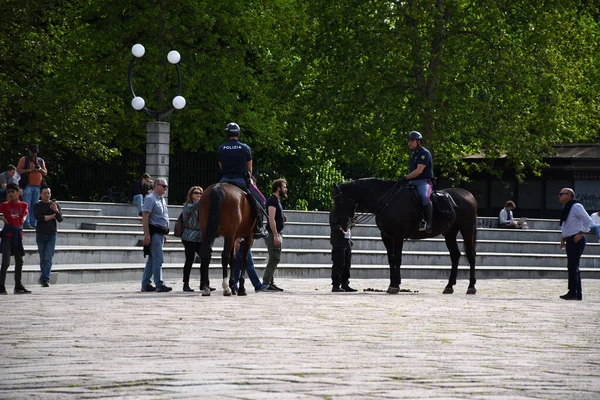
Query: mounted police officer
(235,161)
(421,174)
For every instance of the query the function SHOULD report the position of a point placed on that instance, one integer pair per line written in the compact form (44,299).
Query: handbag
(179,226)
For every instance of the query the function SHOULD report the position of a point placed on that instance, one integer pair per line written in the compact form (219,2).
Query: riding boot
(259,229)
(428,210)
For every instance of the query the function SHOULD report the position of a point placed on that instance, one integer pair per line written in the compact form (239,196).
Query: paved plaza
(515,339)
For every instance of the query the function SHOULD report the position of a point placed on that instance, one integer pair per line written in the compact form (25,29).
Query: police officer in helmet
(235,161)
(421,174)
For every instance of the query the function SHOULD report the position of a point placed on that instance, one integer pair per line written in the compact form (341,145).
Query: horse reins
(386,198)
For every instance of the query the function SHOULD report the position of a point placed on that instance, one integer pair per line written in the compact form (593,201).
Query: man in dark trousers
(14,213)
(274,240)
(341,252)
(574,223)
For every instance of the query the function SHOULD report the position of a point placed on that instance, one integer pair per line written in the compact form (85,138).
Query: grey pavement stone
(514,339)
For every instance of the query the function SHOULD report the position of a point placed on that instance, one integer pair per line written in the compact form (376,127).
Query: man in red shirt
(14,213)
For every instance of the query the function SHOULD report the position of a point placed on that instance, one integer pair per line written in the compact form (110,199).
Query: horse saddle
(443,205)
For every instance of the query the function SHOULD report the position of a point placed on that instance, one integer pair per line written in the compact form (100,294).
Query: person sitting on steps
(235,161)
(420,175)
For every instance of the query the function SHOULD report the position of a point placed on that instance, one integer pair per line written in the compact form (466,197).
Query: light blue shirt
(156,206)
(577,221)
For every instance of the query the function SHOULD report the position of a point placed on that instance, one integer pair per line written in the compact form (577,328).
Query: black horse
(398,212)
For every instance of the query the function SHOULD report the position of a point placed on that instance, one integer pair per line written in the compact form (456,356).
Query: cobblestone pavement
(515,339)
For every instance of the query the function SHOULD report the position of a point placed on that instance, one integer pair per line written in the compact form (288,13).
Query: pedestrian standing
(341,252)
(191,236)
(155,220)
(574,223)
(33,170)
(14,213)
(47,213)
(274,240)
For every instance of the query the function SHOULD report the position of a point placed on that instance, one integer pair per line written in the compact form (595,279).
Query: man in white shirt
(574,223)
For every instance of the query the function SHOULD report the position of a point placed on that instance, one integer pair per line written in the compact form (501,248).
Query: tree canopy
(322,90)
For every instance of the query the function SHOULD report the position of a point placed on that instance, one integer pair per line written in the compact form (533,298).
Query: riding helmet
(415,135)
(232,129)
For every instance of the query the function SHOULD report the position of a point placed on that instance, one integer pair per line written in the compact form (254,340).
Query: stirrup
(423,226)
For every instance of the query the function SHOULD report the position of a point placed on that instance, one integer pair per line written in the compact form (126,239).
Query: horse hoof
(206,291)
(471,290)
(227,292)
(393,290)
(448,290)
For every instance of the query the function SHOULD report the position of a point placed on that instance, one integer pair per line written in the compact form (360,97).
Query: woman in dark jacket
(191,236)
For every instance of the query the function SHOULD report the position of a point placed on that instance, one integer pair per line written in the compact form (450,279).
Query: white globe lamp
(178,102)
(173,57)
(138,50)
(138,103)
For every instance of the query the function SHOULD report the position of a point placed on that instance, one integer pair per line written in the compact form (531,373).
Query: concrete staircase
(102,242)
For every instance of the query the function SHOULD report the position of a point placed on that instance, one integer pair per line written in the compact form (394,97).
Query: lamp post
(157,132)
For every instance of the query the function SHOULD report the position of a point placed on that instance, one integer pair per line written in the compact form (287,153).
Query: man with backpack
(32,170)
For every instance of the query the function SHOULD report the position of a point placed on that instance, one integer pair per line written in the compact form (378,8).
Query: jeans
(574,252)
(424,188)
(155,261)
(249,269)
(46,245)
(7,250)
(274,258)
(191,249)
(138,201)
(31,195)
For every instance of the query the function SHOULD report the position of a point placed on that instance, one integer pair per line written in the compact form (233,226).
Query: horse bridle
(386,198)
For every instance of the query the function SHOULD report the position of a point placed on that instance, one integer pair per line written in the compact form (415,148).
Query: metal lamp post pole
(157,132)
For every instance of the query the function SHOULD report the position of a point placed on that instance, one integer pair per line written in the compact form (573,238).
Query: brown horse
(224,211)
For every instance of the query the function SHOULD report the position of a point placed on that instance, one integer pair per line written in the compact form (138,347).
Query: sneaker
(28,227)
(44,284)
(148,288)
(21,290)
(272,286)
(266,289)
(163,289)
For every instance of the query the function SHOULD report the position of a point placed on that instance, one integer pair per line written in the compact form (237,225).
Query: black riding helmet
(232,129)
(415,135)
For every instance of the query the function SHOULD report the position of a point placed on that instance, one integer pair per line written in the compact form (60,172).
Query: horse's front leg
(225,260)
(205,257)
(394,253)
(452,245)
(244,250)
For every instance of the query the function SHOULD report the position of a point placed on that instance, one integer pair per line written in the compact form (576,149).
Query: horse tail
(216,199)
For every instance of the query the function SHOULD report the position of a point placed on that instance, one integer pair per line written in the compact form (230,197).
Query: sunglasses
(165,186)
(196,192)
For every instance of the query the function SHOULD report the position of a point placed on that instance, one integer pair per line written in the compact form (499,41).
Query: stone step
(111,254)
(120,209)
(123,238)
(172,273)
(80,211)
